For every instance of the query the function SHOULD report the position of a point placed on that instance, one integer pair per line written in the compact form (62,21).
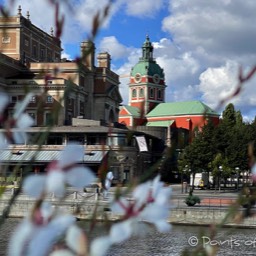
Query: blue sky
(200,44)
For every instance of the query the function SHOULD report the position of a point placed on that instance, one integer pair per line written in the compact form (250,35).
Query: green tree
(200,152)
(229,115)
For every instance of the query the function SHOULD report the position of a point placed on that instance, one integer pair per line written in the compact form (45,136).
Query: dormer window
(49,99)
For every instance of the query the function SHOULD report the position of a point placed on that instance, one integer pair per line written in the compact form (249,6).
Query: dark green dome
(147,65)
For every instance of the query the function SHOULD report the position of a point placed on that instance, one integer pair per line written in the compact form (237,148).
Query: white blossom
(37,233)
(59,173)
(150,203)
(15,126)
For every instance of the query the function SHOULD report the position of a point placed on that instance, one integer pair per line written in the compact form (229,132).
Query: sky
(200,44)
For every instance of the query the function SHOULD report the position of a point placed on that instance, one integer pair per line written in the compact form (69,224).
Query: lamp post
(182,183)
(220,170)
(237,177)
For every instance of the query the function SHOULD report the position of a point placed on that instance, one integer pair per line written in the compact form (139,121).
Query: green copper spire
(147,65)
(147,49)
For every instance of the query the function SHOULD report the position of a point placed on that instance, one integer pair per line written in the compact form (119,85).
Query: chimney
(104,60)
(88,54)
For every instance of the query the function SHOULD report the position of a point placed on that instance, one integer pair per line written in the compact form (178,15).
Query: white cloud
(222,27)
(219,36)
(143,7)
(220,82)
(111,45)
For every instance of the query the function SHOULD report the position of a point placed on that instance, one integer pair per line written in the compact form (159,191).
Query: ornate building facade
(30,60)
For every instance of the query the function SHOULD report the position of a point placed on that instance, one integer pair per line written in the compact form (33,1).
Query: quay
(83,205)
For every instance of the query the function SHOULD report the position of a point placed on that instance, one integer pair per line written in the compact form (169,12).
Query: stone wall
(85,205)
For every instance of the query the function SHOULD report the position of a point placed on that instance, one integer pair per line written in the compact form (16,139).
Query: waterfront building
(105,149)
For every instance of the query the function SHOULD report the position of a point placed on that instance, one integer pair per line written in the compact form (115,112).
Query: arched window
(141,92)
(134,93)
(151,92)
(159,94)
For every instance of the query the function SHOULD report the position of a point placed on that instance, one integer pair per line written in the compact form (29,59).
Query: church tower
(147,82)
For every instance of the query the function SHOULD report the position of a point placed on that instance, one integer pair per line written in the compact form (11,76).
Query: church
(147,106)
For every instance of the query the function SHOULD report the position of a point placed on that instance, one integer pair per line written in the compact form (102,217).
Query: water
(151,243)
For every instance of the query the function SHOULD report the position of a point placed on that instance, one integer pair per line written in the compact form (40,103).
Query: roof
(147,68)
(182,108)
(134,111)
(166,123)
(45,156)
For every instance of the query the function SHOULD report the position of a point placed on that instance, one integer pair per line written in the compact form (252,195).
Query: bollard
(75,195)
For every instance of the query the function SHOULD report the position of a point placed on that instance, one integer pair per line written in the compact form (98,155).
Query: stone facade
(30,60)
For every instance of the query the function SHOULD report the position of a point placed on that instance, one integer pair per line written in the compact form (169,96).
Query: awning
(45,156)
(165,123)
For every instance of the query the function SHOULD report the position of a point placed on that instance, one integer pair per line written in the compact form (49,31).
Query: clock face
(137,78)
(156,78)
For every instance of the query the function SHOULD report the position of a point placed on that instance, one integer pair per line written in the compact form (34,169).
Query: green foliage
(191,199)
(225,145)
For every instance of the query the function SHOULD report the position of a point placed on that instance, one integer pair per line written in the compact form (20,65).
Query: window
(34,51)
(76,138)
(14,99)
(6,40)
(159,94)
(26,42)
(117,140)
(55,139)
(151,92)
(42,54)
(49,99)
(33,116)
(81,81)
(141,92)
(32,99)
(116,172)
(81,107)
(48,119)
(134,93)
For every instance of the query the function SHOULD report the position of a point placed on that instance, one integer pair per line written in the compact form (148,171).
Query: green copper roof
(182,108)
(133,110)
(160,123)
(147,68)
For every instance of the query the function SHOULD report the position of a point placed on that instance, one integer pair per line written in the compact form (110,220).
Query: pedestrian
(107,185)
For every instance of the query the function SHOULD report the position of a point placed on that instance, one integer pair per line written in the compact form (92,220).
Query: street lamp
(237,176)
(183,183)
(220,169)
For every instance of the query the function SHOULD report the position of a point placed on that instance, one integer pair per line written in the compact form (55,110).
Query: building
(78,99)
(105,149)
(30,60)
(147,106)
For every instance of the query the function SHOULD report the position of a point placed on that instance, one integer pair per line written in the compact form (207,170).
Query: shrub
(191,199)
